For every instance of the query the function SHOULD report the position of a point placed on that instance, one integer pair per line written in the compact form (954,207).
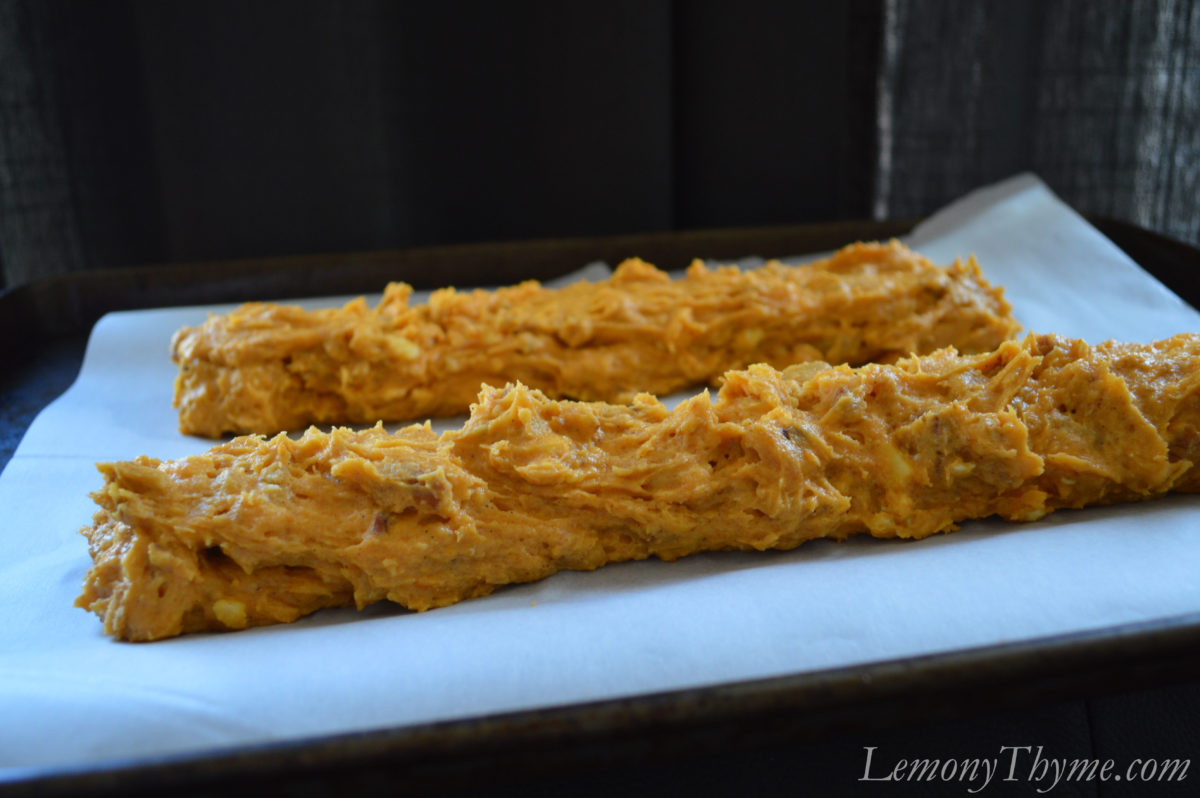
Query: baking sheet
(70,697)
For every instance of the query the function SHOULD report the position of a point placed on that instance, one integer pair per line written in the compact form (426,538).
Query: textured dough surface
(260,531)
(266,368)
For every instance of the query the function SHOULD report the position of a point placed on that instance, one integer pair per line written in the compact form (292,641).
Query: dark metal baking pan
(526,750)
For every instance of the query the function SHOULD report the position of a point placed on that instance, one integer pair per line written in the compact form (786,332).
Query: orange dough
(266,368)
(262,531)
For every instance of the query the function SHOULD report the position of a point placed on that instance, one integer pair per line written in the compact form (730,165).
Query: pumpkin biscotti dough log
(261,531)
(266,368)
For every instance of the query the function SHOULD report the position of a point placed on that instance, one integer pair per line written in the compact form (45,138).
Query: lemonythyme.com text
(1030,764)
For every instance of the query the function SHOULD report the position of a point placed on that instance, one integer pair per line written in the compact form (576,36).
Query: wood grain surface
(136,132)
(1101,99)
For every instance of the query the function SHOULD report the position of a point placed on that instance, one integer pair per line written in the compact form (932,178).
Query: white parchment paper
(70,697)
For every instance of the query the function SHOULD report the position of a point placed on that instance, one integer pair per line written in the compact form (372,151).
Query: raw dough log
(266,368)
(263,531)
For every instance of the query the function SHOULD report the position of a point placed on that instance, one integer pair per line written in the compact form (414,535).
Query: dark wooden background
(136,132)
